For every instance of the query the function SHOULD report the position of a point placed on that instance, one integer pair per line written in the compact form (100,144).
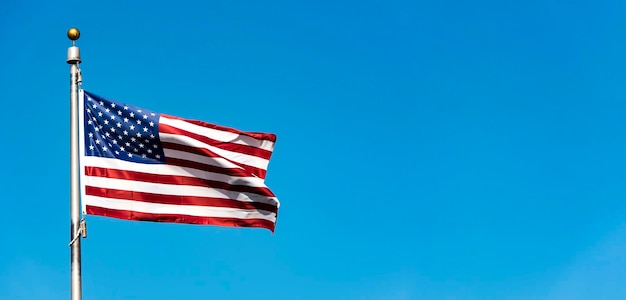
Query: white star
(157,156)
(99,114)
(115,142)
(98,142)
(127,144)
(107,110)
(140,145)
(119,124)
(145,117)
(133,139)
(125,107)
(139,110)
(90,134)
(151,124)
(107,134)
(89,122)
(112,117)
(112,129)
(152,114)
(95,106)
(130,155)
(149,150)
(91,147)
(125,132)
(143,156)
(138,122)
(132,127)
(104,149)
(138,134)
(106,122)
(152,136)
(122,148)
(119,112)
(117,152)
(125,120)
(113,105)
(132,114)
(101,103)
(145,129)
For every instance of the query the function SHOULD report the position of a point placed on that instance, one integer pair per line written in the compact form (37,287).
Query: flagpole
(73,59)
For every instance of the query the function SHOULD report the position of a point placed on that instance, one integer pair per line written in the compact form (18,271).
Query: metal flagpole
(76,226)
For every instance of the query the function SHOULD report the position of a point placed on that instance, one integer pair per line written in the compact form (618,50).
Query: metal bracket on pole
(82,231)
(79,77)
(83,228)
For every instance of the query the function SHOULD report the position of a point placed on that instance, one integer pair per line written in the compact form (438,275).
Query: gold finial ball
(73,34)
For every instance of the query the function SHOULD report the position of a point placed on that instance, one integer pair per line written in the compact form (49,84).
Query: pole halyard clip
(83,228)
(79,76)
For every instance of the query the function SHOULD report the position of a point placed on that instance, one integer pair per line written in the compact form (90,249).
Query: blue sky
(426,150)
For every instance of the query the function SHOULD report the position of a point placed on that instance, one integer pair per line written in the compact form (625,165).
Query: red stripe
(257,135)
(239,148)
(209,168)
(206,152)
(175,218)
(177,180)
(177,199)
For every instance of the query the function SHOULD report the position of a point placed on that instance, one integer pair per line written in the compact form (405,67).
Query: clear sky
(426,150)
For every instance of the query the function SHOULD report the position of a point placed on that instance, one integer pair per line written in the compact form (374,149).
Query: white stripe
(173,189)
(190,210)
(220,135)
(163,169)
(245,159)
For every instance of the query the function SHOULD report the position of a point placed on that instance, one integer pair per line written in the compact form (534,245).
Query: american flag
(137,164)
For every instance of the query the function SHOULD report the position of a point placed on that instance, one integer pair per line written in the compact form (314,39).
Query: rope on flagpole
(82,230)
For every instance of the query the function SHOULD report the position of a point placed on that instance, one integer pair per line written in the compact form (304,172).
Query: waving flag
(137,164)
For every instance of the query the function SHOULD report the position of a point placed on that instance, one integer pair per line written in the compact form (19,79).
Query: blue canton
(118,130)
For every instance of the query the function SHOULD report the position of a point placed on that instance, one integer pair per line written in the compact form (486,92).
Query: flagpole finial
(73,34)
(73,53)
